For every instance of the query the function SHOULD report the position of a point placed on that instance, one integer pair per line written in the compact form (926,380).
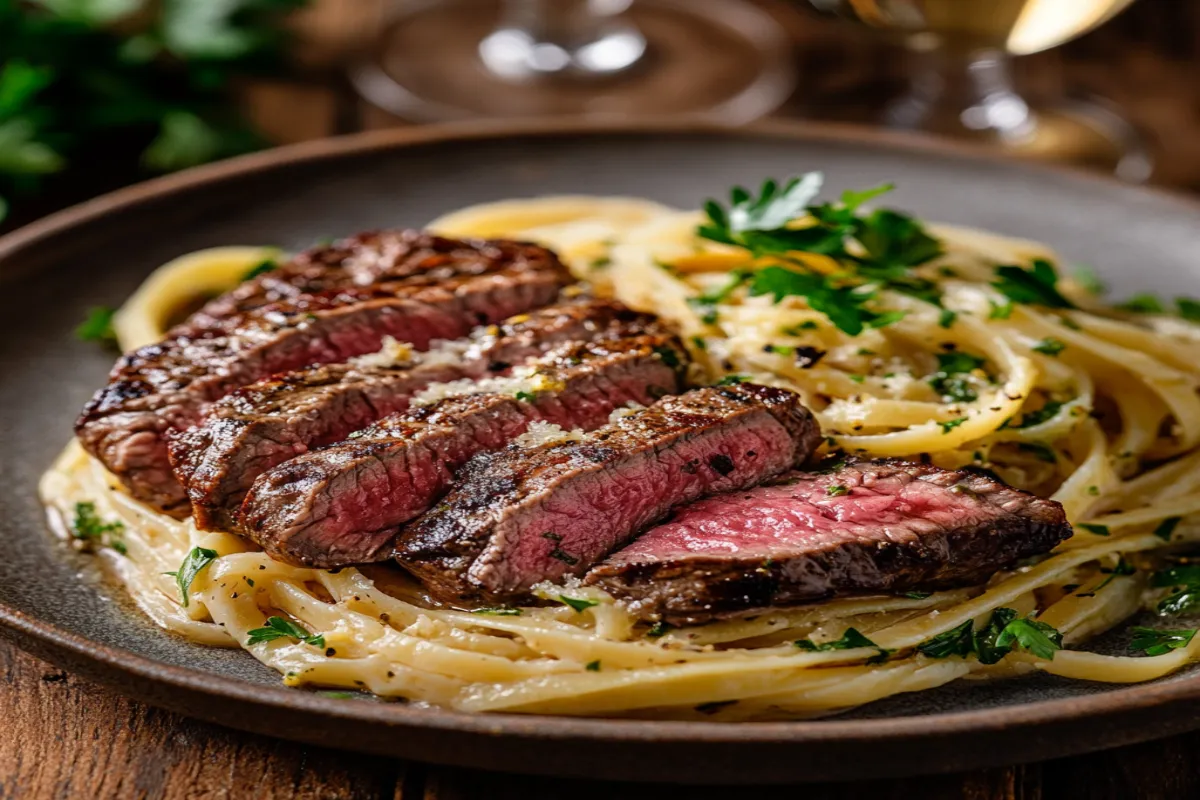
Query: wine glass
(437,60)
(961,82)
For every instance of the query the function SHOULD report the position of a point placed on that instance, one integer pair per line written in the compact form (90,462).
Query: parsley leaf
(759,224)
(1167,527)
(1035,286)
(731,380)
(261,268)
(593,666)
(280,628)
(1099,530)
(98,326)
(951,424)
(1046,412)
(579,604)
(1049,346)
(949,382)
(498,611)
(1034,637)
(197,559)
(836,490)
(850,640)
(845,306)
(1186,580)
(958,641)
(1154,642)
(88,528)
(1188,309)
(1142,304)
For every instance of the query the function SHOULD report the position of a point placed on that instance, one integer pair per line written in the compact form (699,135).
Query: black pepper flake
(552,536)
(721,463)
(564,556)
(691,466)
(329,651)
(498,366)
(391,674)
(807,357)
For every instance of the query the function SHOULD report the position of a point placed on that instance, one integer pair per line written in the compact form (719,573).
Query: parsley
(1188,309)
(280,628)
(917,595)
(668,356)
(1000,310)
(836,490)
(1123,567)
(699,343)
(262,268)
(951,424)
(593,666)
(1050,346)
(600,263)
(1034,637)
(579,604)
(197,559)
(526,397)
(850,640)
(948,381)
(760,224)
(1154,642)
(498,611)
(88,528)
(947,317)
(1036,286)
(1167,527)
(1143,304)
(1099,530)
(1041,451)
(658,629)
(730,380)
(1087,278)
(1185,579)
(1046,412)
(857,378)
(98,326)
(958,641)
(844,305)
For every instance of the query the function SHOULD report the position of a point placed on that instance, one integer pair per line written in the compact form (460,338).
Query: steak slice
(167,385)
(268,422)
(344,504)
(518,517)
(869,526)
(365,259)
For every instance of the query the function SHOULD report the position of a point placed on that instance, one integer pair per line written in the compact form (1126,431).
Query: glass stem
(963,92)
(575,38)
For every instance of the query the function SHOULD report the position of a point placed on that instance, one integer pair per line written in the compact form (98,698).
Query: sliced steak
(268,422)
(870,526)
(515,517)
(167,385)
(365,259)
(343,504)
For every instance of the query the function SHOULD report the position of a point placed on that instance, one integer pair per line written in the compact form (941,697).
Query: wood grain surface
(63,737)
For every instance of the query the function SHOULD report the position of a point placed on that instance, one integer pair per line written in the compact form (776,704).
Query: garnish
(949,382)
(843,304)
(668,356)
(280,628)
(88,528)
(98,326)
(850,640)
(261,268)
(730,380)
(1050,346)
(1154,642)
(197,559)
(1046,412)
(836,490)
(1035,286)
(1188,309)
(1034,637)
(947,317)
(1099,530)
(1089,281)
(1003,632)
(579,604)
(1167,527)
(658,629)
(1000,310)
(1143,304)
(1185,579)
(951,424)
(958,641)
(593,666)
(1122,567)
(917,595)
(526,397)
(497,611)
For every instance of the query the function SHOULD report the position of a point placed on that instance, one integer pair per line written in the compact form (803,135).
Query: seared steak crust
(166,385)
(518,517)
(867,527)
(343,504)
(368,258)
(268,422)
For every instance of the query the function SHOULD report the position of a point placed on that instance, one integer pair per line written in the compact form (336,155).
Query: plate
(55,604)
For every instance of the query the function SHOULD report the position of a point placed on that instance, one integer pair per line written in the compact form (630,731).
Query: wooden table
(66,737)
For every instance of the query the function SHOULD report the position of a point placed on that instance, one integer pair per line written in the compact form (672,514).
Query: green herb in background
(126,84)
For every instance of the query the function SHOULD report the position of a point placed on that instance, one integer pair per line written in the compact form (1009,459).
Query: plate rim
(1024,716)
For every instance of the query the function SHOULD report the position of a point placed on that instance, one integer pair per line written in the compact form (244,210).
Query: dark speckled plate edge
(697,752)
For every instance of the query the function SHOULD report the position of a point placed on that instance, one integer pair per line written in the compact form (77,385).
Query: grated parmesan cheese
(393,353)
(539,433)
(524,380)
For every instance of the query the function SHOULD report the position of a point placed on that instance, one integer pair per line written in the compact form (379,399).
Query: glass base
(723,60)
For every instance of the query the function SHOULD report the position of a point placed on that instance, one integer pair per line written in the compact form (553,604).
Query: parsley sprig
(876,250)
(1004,632)
(88,528)
(280,628)
(851,640)
(1155,642)
(197,559)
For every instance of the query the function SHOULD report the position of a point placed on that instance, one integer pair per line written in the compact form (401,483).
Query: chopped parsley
(600,263)
(836,490)
(1046,412)
(498,611)
(917,595)
(947,317)
(1003,632)
(261,268)
(98,326)
(1188,309)
(949,380)
(668,356)
(1035,286)
(579,604)
(593,666)
(87,527)
(197,559)
(844,304)
(1154,642)
(1099,530)
(658,629)
(1143,304)
(730,380)
(951,424)
(280,628)
(850,640)
(526,397)
(1167,527)
(1000,310)
(1050,346)
(1185,580)
(1087,278)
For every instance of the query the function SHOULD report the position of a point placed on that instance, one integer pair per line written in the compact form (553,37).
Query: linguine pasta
(1094,407)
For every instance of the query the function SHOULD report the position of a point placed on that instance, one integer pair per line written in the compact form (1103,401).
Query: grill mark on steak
(364,259)
(897,527)
(516,518)
(343,504)
(266,423)
(167,385)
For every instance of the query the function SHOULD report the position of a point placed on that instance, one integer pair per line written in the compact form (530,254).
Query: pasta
(1094,407)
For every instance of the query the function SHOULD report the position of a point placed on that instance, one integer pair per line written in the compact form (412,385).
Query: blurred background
(95,94)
